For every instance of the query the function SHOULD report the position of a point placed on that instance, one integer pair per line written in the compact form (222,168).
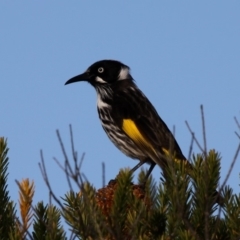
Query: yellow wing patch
(130,128)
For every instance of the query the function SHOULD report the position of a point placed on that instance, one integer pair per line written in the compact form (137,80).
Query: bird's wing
(137,117)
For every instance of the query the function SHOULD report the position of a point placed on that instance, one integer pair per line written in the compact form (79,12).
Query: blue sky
(182,54)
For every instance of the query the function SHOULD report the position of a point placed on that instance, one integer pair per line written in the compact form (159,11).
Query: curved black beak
(82,77)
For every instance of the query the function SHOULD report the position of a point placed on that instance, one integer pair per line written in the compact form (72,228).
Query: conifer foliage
(7,207)
(183,206)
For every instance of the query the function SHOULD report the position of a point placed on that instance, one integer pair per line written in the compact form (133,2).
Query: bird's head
(103,72)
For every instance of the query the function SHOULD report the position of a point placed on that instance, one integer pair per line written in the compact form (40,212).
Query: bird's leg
(153,164)
(133,170)
(138,166)
(143,184)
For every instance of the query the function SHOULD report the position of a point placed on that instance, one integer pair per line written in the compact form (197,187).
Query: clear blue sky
(182,54)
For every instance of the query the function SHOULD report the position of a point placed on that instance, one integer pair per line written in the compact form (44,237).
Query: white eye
(101,70)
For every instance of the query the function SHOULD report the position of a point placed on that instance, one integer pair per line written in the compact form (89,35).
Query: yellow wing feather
(130,128)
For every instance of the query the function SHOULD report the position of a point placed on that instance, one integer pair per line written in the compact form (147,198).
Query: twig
(65,169)
(72,144)
(50,199)
(238,124)
(67,165)
(84,177)
(229,172)
(237,134)
(81,161)
(193,135)
(61,144)
(46,180)
(231,168)
(204,131)
(59,164)
(103,174)
(77,169)
(68,176)
(70,172)
(191,147)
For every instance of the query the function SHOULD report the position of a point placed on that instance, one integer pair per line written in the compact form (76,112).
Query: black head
(103,72)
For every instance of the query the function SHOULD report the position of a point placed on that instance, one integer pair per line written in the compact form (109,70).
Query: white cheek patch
(123,74)
(100,80)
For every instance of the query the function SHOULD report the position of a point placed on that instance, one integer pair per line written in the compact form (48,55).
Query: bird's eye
(100,70)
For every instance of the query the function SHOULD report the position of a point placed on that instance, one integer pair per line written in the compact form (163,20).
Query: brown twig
(74,153)
(237,122)
(238,125)
(62,146)
(73,173)
(231,168)
(65,170)
(228,174)
(46,180)
(237,134)
(103,174)
(191,147)
(204,132)
(193,135)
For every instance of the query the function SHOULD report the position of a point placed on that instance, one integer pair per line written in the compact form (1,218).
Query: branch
(103,174)
(231,168)
(46,180)
(193,136)
(204,131)
(191,147)
(238,125)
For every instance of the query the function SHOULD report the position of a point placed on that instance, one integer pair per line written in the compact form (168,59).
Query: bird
(129,119)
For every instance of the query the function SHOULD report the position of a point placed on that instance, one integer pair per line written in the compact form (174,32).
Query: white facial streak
(123,73)
(100,80)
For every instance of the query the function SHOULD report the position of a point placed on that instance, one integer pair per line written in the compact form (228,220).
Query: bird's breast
(101,103)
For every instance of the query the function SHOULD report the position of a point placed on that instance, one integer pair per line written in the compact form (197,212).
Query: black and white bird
(128,117)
